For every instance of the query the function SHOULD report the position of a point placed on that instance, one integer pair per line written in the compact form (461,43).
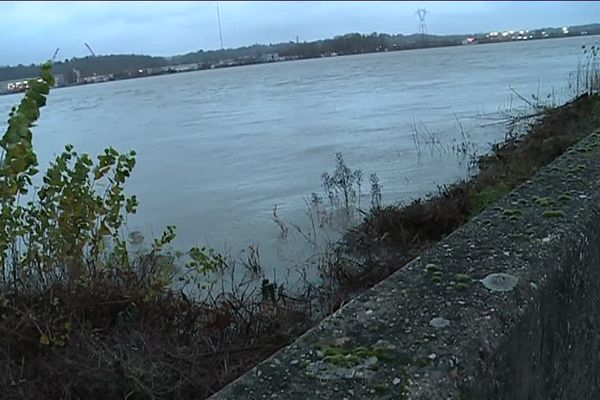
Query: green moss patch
(554,214)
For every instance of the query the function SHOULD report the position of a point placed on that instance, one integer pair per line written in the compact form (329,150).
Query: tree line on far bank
(351,43)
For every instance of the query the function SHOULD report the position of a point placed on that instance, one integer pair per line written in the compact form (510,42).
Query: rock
(500,282)
(439,323)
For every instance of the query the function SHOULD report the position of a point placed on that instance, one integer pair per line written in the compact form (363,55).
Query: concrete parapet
(507,307)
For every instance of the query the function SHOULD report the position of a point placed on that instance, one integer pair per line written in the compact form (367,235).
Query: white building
(270,57)
(185,67)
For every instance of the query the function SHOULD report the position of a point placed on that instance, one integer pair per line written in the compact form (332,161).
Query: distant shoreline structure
(77,78)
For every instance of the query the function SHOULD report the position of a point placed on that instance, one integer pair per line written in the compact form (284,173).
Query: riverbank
(502,308)
(117,338)
(174,69)
(395,234)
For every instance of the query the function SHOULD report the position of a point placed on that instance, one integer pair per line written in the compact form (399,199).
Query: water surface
(218,149)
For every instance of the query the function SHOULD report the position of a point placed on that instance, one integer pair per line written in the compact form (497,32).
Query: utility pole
(219,20)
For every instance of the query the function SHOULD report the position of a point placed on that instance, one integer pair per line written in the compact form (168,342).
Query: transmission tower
(422,13)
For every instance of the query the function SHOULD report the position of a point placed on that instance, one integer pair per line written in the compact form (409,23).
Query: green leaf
(44,340)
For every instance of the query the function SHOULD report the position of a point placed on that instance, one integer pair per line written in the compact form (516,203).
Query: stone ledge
(507,307)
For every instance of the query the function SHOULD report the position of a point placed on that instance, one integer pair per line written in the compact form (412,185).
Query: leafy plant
(70,228)
(343,186)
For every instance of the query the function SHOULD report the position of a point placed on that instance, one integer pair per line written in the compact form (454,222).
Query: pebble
(439,323)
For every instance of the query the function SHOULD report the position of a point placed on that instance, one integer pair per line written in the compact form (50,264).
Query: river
(217,149)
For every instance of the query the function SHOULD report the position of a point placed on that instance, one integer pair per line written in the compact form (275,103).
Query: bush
(83,318)
(70,229)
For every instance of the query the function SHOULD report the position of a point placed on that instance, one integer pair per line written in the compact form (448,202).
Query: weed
(554,214)
(381,387)
(512,213)
(343,187)
(482,198)
(565,197)
(375,192)
(420,132)
(587,75)
(432,268)
(350,357)
(544,201)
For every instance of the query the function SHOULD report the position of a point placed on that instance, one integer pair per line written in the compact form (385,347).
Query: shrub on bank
(81,317)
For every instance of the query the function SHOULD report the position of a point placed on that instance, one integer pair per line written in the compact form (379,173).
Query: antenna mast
(90,49)
(219,19)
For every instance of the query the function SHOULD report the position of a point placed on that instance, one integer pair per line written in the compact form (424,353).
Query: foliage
(70,228)
(343,186)
(83,316)
(340,211)
(18,164)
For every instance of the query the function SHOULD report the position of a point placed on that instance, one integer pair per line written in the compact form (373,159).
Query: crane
(55,54)
(90,49)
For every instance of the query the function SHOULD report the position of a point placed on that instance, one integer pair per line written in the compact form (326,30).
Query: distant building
(154,71)
(76,76)
(98,78)
(59,80)
(185,67)
(270,57)
(15,86)
(4,87)
(470,40)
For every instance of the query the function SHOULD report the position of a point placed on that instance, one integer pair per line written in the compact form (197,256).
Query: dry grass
(108,341)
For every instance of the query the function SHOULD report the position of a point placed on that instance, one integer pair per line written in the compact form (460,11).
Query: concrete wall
(447,326)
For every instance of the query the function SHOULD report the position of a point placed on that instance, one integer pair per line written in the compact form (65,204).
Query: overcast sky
(31,31)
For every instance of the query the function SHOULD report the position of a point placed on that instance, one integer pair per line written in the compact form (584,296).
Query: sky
(31,31)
